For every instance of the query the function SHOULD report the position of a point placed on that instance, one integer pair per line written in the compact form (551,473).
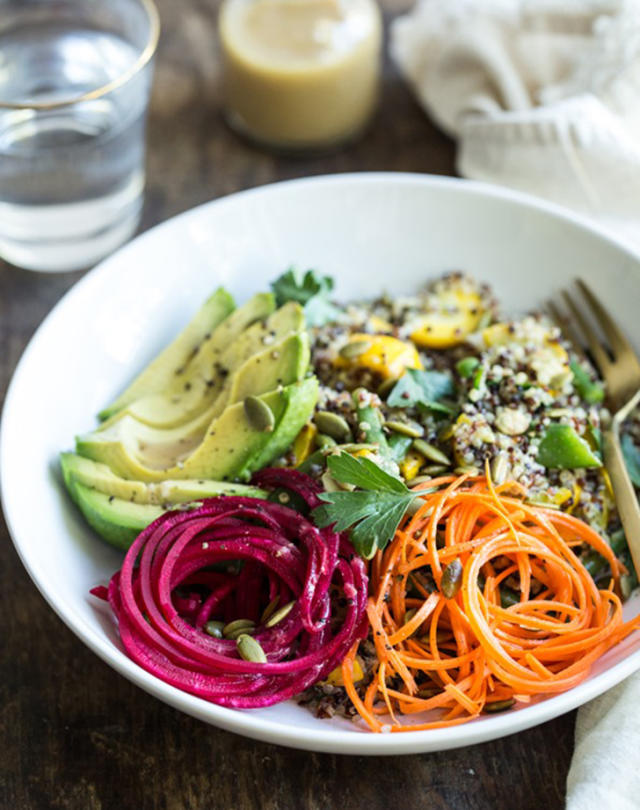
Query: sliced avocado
(299,409)
(253,372)
(193,386)
(117,521)
(232,447)
(160,372)
(92,474)
(164,449)
(206,382)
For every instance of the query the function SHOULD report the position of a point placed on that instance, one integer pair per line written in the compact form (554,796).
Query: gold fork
(620,369)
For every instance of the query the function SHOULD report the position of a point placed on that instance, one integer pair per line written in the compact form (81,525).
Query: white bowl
(370,231)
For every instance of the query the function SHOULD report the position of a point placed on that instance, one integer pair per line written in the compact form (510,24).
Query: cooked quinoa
(509,380)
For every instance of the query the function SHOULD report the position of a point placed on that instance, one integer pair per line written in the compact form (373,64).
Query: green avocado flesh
(92,474)
(118,509)
(232,448)
(117,521)
(159,373)
(181,432)
(207,382)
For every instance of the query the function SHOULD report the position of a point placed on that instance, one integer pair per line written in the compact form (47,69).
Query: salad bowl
(372,233)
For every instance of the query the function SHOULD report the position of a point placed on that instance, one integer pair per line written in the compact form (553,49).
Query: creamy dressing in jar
(300,74)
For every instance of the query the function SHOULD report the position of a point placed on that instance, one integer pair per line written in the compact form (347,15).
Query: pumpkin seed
(451,579)
(500,468)
(413,507)
(279,615)
(354,349)
(273,604)
(432,469)
(259,414)
(467,469)
(412,429)
(332,425)
(429,692)
(498,706)
(324,442)
(250,650)
(431,452)
(352,447)
(234,628)
(214,629)
(420,479)
(329,482)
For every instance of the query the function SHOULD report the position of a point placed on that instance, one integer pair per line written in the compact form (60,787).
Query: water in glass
(71,176)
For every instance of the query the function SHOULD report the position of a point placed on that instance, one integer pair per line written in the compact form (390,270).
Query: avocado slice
(159,373)
(92,474)
(162,449)
(253,355)
(231,449)
(117,521)
(194,385)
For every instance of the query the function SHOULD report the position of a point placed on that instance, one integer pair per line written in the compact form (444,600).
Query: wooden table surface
(76,735)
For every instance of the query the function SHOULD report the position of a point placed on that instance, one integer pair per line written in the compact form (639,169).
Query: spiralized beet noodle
(283,554)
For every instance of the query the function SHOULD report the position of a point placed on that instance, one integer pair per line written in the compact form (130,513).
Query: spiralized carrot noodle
(445,642)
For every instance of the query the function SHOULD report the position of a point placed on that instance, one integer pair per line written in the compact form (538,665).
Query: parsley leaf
(311,290)
(422,389)
(373,512)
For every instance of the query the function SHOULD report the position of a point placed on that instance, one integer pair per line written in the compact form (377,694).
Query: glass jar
(300,74)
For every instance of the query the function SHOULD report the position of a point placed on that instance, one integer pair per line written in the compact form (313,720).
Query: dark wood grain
(77,736)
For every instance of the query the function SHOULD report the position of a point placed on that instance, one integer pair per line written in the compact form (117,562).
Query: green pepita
(250,650)
(234,628)
(214,629)
(279,615)
(451,581)
(268,611)
(354,349)
(431,470)
(332,424)
(412,429)
(467,469)
(498,706)
(500,468)
(259,414)
(324,442)
(429,451)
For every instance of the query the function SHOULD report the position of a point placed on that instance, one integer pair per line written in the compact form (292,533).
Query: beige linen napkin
(605,770)
(542,95)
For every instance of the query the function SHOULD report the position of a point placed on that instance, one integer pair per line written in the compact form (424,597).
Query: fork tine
(566,328)
(618,342)
(600,356)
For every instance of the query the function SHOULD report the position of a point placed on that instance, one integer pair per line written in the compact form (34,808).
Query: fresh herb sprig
(422,389)
(372,511)
(311,290)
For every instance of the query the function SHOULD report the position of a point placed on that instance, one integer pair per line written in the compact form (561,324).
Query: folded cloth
(604,773)
(542,95)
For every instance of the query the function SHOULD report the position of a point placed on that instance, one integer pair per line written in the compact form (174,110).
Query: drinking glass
(75,77)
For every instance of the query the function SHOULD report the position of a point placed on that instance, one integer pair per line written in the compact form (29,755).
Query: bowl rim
(331,739)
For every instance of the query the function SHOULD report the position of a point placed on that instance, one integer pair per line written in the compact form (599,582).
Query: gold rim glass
(146,54)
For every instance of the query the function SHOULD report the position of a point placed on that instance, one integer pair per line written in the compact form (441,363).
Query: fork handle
(625,495)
